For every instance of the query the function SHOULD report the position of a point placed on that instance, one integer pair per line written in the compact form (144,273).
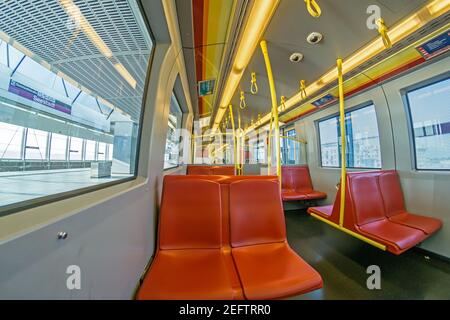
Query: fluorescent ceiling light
(256,24)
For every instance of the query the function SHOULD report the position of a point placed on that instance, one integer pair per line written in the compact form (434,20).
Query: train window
(290,148)
(363,141)
(58,147)
(71,89)
(430,120)
(75,149)
(11,137)
(172,152)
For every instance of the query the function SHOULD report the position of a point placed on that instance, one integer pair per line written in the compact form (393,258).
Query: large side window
(429,108)
(70,96)
(172,152)
(362,139)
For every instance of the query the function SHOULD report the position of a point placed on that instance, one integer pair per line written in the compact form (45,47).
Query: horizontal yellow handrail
(294,139)
(354,234)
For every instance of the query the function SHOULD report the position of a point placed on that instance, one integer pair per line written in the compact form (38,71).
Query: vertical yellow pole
(269,144)
(273,95)
(193,148)
(234,140)
(343,141)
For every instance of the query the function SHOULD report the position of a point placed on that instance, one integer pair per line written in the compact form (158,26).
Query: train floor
(343,261)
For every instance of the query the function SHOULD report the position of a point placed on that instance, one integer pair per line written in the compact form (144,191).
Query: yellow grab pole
(343,147)
(273,95)
(269,144)
(193,148)
(234,139)
(239,144)
(350,232)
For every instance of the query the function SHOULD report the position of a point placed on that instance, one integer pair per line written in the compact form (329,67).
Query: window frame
(409,120)
(181,127)
(337,114)
(40,201)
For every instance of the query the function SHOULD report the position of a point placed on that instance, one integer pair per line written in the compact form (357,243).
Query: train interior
(225,149)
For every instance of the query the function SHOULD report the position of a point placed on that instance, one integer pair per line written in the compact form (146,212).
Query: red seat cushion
(324,211)
(394,204)
(267,266)
(396,236)
(271,271)
(292,195)
(428,225)
(196,274)
(296,184)
(315,195)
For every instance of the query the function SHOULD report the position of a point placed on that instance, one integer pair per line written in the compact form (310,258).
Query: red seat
(394,205)
(190,260)
(267,266)
(374,208)
(210,170)
(223,170)
(296,184)
(198,170)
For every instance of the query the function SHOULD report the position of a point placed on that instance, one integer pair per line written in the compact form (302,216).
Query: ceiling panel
(343,25)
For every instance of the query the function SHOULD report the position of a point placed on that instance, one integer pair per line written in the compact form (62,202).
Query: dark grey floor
(342,262)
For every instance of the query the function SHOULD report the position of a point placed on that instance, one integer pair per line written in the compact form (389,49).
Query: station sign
(38,97)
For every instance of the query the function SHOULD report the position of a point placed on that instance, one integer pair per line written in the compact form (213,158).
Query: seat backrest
(223,170)
(198,170)
(391,191)
(190,216)
(366,197)
(287,182)
(297,177)
(256,213)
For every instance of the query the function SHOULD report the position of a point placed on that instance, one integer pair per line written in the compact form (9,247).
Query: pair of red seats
(296,184)
(375,208)
(210,170)
(224,238)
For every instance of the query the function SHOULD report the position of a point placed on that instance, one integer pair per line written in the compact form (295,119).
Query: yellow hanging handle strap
(283,103)
(242,103)
(254,85)
(383,31)
(303,89)
(343,141)
(313,8)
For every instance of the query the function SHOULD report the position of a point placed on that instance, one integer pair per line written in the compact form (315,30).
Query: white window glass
(172,152)
(90,150)
(430,115)
(101,151)
(362,140)
(58,147)
(110,151)
(36,145)
(79,87)
(11,137)
(76,149)
(329,148)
